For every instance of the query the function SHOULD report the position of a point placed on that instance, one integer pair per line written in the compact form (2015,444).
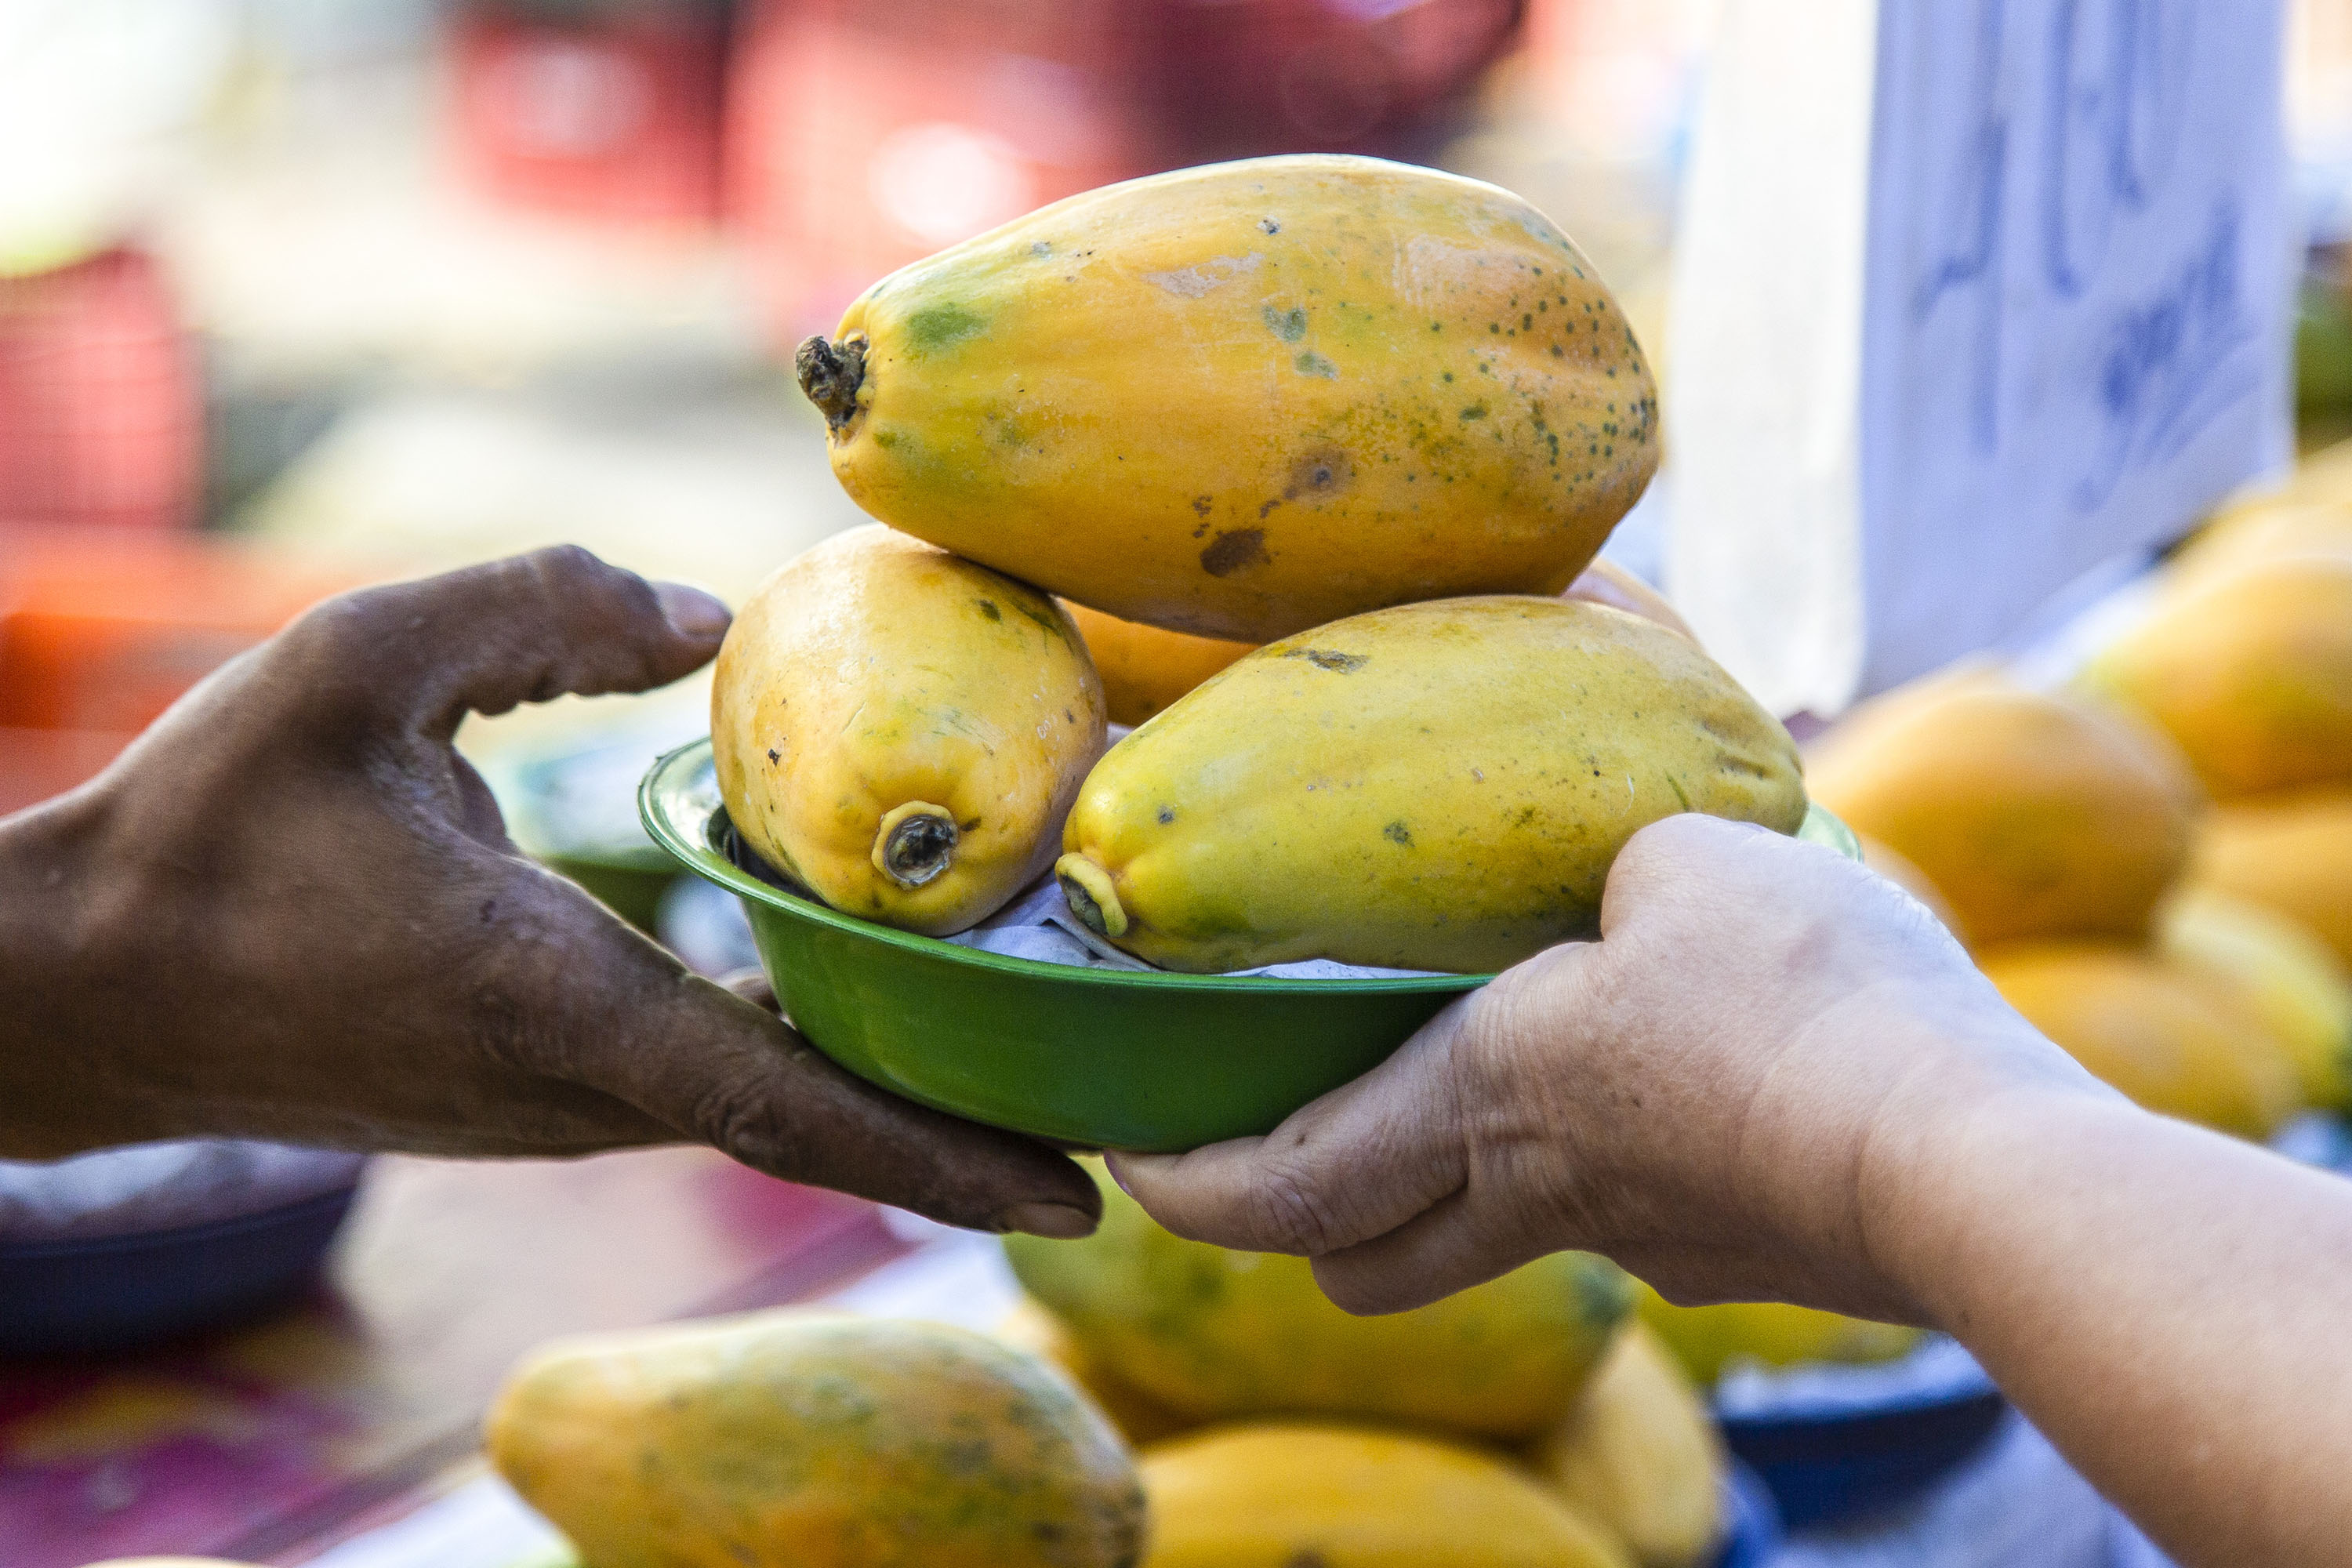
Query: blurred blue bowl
(1753,1537)
(1863,1439)
(119,1292)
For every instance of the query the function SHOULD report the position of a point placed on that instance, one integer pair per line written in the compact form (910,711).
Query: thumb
(633,1023)
(1356,1163)
(487,638)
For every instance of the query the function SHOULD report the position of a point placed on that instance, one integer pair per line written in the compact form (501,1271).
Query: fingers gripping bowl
(1105,1058)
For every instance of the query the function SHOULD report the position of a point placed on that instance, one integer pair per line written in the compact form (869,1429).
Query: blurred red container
(103,629)
(1237,78)
(599,111)
(101,402)
(866,134)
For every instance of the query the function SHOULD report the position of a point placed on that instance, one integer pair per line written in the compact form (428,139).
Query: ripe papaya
(1638,1455)
(1433,786)
(2174,1041)
(1286,1495)
(1708,1340)
(1144,668)
(2033,813)
(2269,530)
(2248,669)
(1214,1335)
(2285,973)
(797,1440)
(2290,852)
(1139,1418)
(902,731)
(1247,399)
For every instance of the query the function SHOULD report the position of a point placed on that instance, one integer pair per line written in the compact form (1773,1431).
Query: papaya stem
(1092,897)
(830,373)
(915,842)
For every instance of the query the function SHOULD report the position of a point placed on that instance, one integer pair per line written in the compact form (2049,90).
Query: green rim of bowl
(679,800)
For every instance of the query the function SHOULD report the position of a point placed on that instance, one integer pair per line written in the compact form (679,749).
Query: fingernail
(1058,1221)
(692,612)
(1111,1163)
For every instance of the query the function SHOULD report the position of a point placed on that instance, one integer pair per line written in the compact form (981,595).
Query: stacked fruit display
(1371,417)
(1525,1424)
(2155,864)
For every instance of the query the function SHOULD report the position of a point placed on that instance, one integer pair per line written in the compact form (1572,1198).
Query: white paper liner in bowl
(148,1187)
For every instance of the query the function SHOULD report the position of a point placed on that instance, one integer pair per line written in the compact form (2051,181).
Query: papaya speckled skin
(1291,1495)
(798,1439)
(1431,786)
(1214,1335)
(875,673)
(1249,398)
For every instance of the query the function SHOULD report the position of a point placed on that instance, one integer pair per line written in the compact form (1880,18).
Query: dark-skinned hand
(290,911)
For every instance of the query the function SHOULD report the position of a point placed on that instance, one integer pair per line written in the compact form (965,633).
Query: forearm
(2168,1306)
(54,1096)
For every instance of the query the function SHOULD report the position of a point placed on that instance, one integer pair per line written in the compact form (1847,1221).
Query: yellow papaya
(2290,977)
(2250,670)
(1139,1418)
(1433,786)
(1144,668)
(1286,1495)
(2033,814)
(1214,1335)
(2290,852)
(1247,399)
(1638,1455)
(902,731)
(797,1440)
(1708,1340)
(2269,530)
(2173,1041)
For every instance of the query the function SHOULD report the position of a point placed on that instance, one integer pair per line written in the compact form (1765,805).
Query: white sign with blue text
(1974,295)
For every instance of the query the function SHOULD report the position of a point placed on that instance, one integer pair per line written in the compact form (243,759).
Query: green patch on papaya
(1312,363)
(1288,325)
(937,327)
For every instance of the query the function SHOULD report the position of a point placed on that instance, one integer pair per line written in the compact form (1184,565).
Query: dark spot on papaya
(1527,322)
(1436,326)
(1320,473)
(937,327)
(1475,411)
(1068,717)
(1268,507)
(1397,833)
(1236,549)
(966,826)
(988,607)
(774,756)
(1312,363)
(489,910)
(1288,325)
(1494,326)
(1325,658)
(1201,505)
(1269,226)
(1166,815)
(886,440)
(1043,247)
(1447,374)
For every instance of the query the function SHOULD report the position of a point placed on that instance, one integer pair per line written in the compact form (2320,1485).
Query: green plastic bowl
(1103,1058)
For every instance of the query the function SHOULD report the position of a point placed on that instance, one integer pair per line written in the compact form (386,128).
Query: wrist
(1931,1177)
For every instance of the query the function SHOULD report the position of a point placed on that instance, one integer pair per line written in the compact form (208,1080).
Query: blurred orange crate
(101,629)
